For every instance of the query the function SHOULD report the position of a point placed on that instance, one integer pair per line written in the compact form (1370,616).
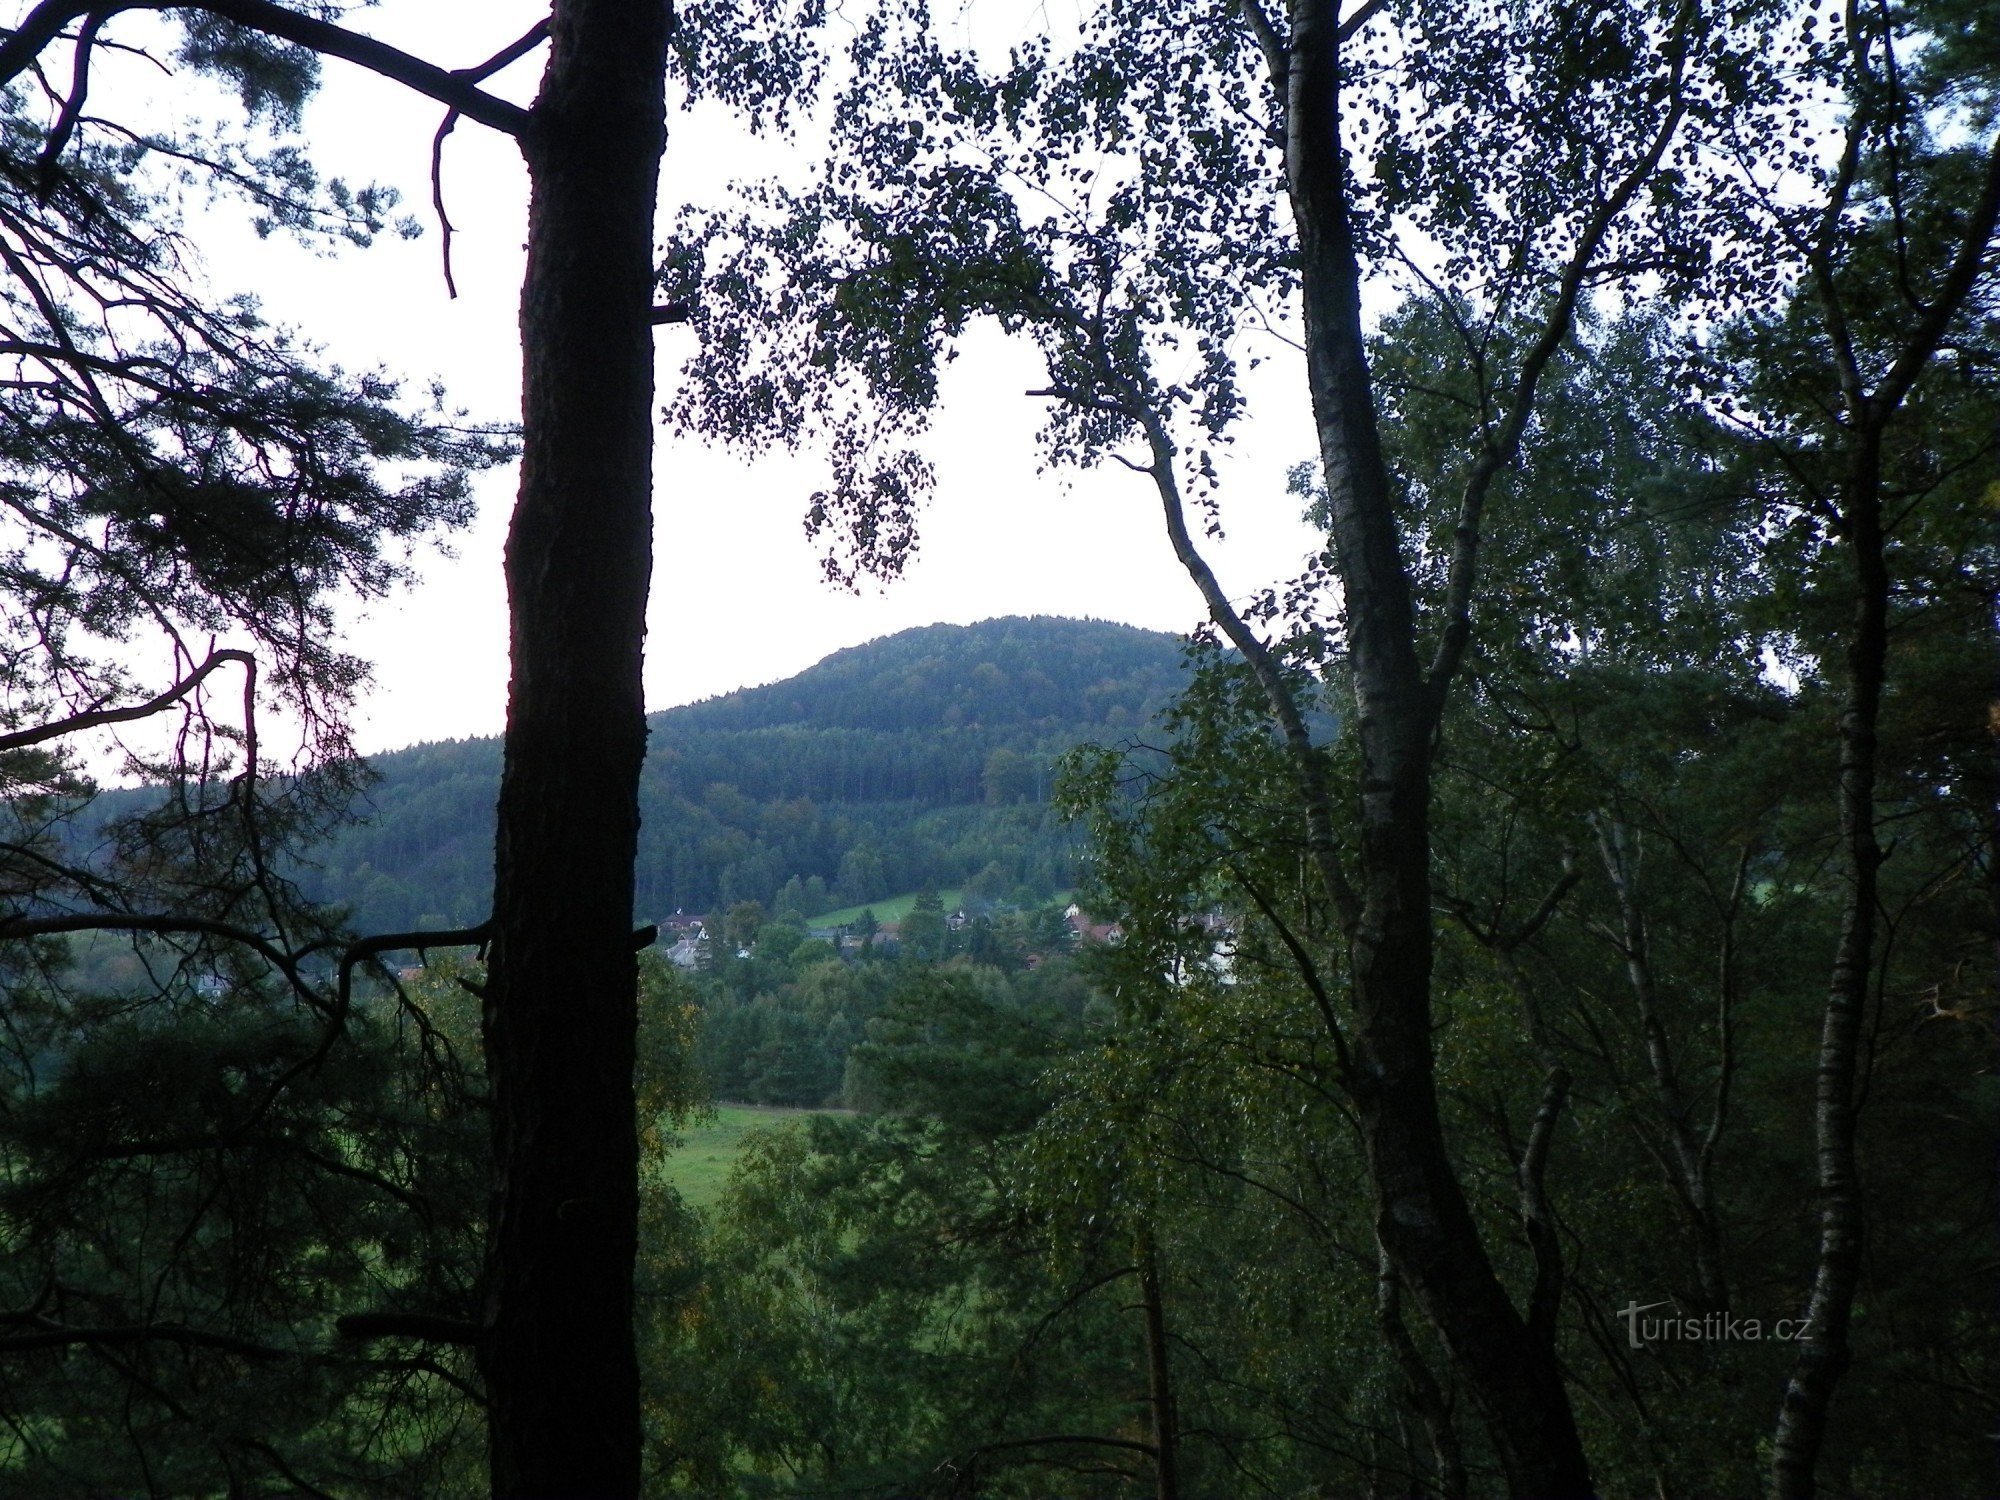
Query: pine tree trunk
(561,1004)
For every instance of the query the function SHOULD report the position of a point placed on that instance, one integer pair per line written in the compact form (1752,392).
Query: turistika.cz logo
(1707,1328)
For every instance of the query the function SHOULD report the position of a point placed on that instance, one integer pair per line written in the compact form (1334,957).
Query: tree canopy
(1542,1036)
(1555,477)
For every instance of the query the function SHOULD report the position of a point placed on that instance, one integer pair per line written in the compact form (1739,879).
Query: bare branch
(1130,1444)
(1359,19)
(1284,707)
(1545,1300)
(363,949)
(445,229)
(1539,918)
(1725,1013)
(1308,970)
(1277,62)
(117,921)
(95,718)
(533,37)
(72,109)
(456,89)
(1966,266)
(510,54)
(49,1334)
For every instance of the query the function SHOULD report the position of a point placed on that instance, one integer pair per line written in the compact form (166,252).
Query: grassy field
(889,909)
(895,908)
(701,1165)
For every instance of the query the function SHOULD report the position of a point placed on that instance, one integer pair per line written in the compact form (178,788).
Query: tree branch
(72,109)
(1308,971)
(366,948)
(1359,19)
(533,37)
(1545,1300)
(50,1334)
(1420,1385)
(445,229)
(456,89)
(1284,708)
(1966,266)
(95,718)
(427,1327)
(1500,449)
(119,921)
(1277,62)
(1130,1444)
(510,54)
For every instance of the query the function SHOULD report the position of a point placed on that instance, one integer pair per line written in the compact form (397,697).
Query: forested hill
(921,758)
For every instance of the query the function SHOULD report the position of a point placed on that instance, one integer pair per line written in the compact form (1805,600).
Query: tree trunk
(561,1002)
(1682,1158)
(1159,1379)
(1423,1221)
(1420,1387)
(1824,1353)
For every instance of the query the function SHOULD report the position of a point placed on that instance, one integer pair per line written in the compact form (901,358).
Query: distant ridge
(933,672)
(923,757)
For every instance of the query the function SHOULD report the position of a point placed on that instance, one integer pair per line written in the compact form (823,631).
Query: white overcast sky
(737,595)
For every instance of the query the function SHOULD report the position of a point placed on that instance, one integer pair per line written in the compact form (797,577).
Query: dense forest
(926,758)
(1526,1021)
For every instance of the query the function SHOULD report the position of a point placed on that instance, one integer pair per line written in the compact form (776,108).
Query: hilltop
(921,758)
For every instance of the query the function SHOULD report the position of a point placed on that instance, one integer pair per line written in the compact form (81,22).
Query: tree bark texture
(561,1001)
(1420,1387)
(1424,1222)
(1824,1353)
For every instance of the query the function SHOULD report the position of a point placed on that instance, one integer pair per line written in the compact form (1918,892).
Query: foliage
(172,468)
(698,1167)
(1523,785)
(1632,851)
(780,1024)
(208,1161)
(871,1295)
(862,777)
(197,1183)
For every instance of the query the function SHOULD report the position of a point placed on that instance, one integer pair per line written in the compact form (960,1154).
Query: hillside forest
(1508,1010)
(925,759)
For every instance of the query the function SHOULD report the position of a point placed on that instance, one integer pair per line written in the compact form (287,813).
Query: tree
(1508,174)
(555,1343)
(923,928)
(1867,418)
(1008,777)
(741,924)
(204,1139)
(878,1311)
(1621,743)
(1164,242)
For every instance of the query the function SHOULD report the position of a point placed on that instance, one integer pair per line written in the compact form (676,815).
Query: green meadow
(895,908)
(890,909)
(700,1165)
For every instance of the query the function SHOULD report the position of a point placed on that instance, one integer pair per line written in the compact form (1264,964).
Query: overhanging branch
(457,89)
(48,1334)
(96,718)
(1502,447)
